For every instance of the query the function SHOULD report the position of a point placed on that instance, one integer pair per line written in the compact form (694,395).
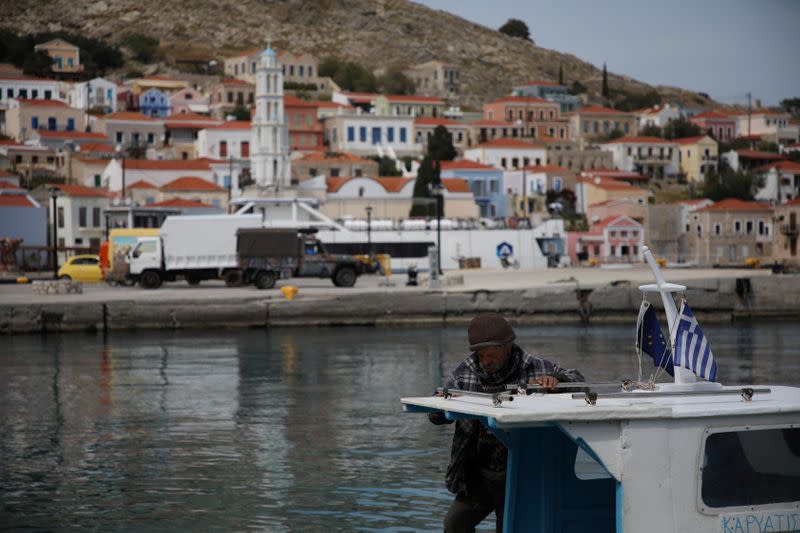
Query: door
(146,255)
(376,135)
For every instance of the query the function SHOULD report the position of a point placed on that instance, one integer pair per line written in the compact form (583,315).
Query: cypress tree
(605,82)
(560,74)
(425,176)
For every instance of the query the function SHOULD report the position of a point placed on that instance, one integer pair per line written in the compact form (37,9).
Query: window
(613,250)
(717,229)
(291,70)
(96,217)
(503,162)
(302,70)
(35,123)
(362,134)
(81,217)
(493,186)
(402,135)
(118,137)
(515,162)
(737,226)
(376,135)
(245,148)
(223,148)
(230,97)
(749,227)
(97,180)
(390,134)
(34,94)
(751,467)
(557,184)
(10,93)
(335,172)
(60,217)
(23,93)
(351,134)
(151,138)
(358,172)
(310,71)
(70,124)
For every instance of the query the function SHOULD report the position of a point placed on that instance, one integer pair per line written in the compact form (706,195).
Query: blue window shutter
(351,134)
(363,134)
(390,134)
(376,135)
(70,124)
(51,123)
(35,123)
(402,135)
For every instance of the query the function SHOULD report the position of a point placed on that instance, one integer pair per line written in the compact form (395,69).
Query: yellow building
(602,196)
(66,56)
(698,156)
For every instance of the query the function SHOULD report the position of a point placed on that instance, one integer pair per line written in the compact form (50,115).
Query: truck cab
(146,262)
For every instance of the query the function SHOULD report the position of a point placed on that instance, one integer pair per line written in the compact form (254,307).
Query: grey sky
(725,48)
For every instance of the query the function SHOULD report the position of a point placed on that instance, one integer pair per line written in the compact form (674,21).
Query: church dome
(269,52)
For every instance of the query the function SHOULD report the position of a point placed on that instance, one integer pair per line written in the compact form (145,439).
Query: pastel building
(188,100)
(731,231)
(615,239)
(594,123)
(24,117)
(66,56)
(436,78)
(650,156)
(332,164)
(80,214)
(365,134)
(128,129)
(154,103)
(536,117)
(98,94)
(787,217)
(697,156)
(425,126)
(305,130)
(721,127)
(228,140)
(508,154)
(484,181)
(532,183)
(27,87)
(658,115)
(551,91)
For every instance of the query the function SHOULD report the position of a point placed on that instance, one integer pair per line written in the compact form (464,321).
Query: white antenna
(682,375)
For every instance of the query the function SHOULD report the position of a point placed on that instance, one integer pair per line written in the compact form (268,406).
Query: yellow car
(82,268)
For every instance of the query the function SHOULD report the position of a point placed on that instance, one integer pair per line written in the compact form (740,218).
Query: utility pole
(230,180)
(54,193)
(749,111)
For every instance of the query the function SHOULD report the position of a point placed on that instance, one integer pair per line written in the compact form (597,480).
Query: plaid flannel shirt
(467,432)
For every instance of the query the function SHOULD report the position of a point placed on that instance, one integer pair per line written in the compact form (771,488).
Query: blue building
(485,182)
(553,92)
(154,103)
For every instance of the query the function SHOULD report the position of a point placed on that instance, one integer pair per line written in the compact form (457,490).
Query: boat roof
(709,400)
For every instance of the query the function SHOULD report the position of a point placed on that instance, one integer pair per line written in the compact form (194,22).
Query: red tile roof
(42,103)
(434,121)
(333,184)
(712,115)
(73,135)
(232,125)
(615,174)
(522,100)
(80,190)
(734,204)
(692,201)
(235,81)
(607,183)
(180,202)
(793,202)
(15,200)
(142,184)
(191,183)
(614,220)
(190,121)
(757,154)
(505,142)
(690,140)
(293,101)
(127,115)
(6,173)
(548,168)
(6,185)
(247,53)
(493,123)
(410,99)
(639,140)
(465,164)
(393,184)
(96,148)
(167,164)
(333,157)
(455,184)
(786,166)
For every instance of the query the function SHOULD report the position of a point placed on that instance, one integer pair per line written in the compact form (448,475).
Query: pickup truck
(266,255)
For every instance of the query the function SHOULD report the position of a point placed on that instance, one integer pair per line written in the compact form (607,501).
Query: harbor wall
(713,300)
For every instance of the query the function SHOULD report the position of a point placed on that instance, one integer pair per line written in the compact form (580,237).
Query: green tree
(577,88)
(144,47)
(440,145)
(37,64)
(633,101)
(394,81)
(240,112)
(651,130)
(516,28)
(386,166)
(422,203)
(791,105)
(680,128)
(730,184)
(348,76)
(606,93)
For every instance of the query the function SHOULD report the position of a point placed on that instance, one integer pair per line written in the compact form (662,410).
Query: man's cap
(490,329)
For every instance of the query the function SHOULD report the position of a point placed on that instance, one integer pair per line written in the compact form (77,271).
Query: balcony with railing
(790,230)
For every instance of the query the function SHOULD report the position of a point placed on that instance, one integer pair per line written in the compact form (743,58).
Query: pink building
(719,126)
(615,239)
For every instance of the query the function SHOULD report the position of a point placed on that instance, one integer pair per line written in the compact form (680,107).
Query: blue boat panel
(543,494)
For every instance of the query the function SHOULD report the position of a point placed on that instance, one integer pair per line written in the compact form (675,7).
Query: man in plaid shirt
(477,470)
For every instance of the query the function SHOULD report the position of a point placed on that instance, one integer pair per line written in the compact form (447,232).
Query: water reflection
(280,430)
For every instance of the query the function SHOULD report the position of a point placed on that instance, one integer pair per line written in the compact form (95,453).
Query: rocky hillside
(375,33)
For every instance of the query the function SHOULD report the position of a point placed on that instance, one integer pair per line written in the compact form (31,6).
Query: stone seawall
(712,300)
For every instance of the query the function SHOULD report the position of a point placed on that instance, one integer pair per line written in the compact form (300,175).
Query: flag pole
(682,375)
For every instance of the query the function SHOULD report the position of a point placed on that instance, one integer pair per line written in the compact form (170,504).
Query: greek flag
(691,348)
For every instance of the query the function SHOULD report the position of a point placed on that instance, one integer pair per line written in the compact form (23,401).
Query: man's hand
(548,382)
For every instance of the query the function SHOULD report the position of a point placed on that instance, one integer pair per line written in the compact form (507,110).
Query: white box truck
(195,248)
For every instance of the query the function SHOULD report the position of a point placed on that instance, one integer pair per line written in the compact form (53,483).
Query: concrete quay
(527,297)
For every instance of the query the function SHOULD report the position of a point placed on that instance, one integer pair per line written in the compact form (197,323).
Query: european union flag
(650,340)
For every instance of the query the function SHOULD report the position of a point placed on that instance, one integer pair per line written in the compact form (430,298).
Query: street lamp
(437,190)
(120,155)
(54,195)
(524,182)
(369,232)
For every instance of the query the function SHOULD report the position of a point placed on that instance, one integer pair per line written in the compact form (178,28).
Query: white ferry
(686,456)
